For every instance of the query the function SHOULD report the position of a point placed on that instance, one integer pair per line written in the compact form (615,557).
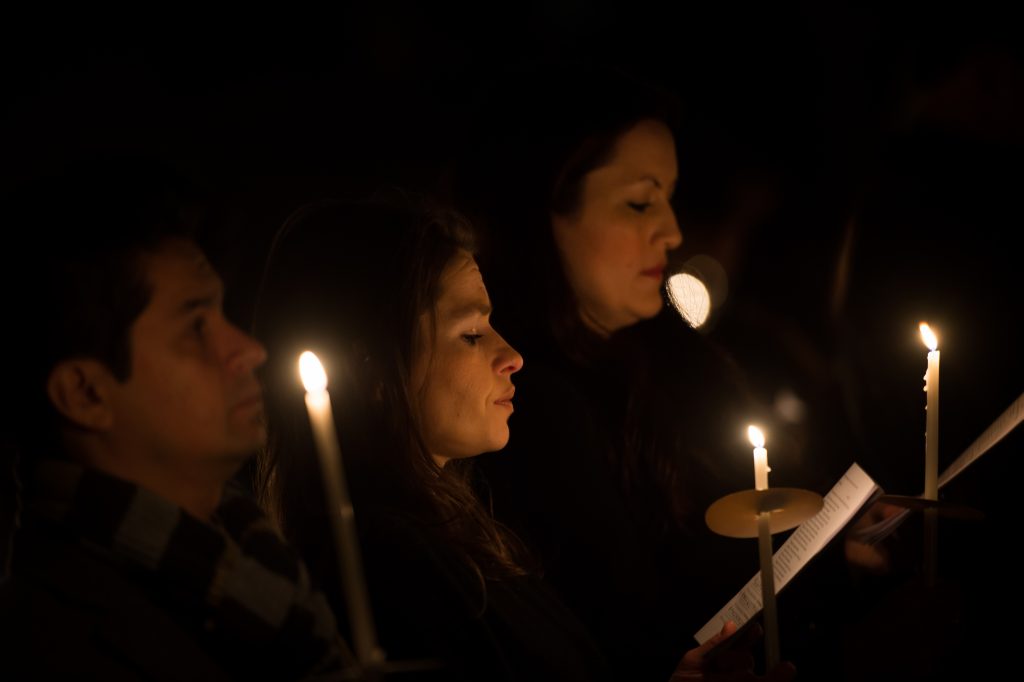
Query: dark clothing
(430,606)
(110,581)
(641,584)
(71,613)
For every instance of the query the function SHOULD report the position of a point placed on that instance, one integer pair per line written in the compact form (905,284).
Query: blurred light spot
(789,406)
(690,297)
(712,274)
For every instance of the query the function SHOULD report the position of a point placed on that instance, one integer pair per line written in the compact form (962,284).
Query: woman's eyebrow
(658,183)
(467,309)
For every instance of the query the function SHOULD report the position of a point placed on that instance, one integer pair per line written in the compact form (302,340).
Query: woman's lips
(506,400)
(251,402)
(656,272)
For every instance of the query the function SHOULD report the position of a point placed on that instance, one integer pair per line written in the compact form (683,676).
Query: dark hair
(79,235)
(534,140)
(350,281)
(534,137)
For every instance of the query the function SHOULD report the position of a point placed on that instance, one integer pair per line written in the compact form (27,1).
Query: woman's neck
(593,324)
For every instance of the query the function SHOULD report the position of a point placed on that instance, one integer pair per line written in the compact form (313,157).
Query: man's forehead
(184,252)
(180,268)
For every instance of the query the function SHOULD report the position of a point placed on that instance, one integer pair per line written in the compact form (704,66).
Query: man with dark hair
(132,403)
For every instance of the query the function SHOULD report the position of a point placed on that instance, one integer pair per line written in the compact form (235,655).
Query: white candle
(931,454)
(761,469)
(346,544)
(931,435)
(764,551)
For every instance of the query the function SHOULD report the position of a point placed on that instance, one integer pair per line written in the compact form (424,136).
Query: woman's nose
(667,232)
(508,359)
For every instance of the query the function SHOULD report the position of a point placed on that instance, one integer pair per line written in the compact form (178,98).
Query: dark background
(855,169)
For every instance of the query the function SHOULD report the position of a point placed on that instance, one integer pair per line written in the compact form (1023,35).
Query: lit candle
(764,551)
(931,435)
(760,458)
(346,543)
(931,453)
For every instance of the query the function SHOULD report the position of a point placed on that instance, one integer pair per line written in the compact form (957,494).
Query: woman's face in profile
(613,247)
(462,373)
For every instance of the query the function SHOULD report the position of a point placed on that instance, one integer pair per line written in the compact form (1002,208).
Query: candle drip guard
(735,515)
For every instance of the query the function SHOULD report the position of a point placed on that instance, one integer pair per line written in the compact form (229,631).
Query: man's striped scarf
(234,582)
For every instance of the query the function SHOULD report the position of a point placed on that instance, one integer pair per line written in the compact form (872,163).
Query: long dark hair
(350,281)
(534,137)
(534,140)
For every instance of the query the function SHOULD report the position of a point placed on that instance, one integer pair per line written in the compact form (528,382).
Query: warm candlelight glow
(756,436)
(928,336)
(931,449)
(690,297)
(339,507)
(761,467)
(314,378)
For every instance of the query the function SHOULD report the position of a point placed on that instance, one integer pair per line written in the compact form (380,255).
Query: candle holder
(760,514)
(736,515)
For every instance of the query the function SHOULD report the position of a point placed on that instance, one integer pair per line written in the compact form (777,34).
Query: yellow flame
(314,378)
(756,436)
(928,336)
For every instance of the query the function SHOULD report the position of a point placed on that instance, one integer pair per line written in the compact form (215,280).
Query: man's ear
(79,389)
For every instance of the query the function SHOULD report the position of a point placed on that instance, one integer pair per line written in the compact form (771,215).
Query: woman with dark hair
(628,421)
(390,296)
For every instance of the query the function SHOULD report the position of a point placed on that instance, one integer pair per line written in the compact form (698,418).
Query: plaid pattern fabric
(234,581)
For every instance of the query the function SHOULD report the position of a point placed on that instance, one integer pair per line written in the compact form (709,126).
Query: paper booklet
(853,491)
(847,496)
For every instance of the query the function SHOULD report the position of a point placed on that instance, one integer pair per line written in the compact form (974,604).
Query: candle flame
(756,436)
(314,378)
(928,336)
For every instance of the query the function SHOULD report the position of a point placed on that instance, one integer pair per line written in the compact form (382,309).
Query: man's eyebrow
(213,299)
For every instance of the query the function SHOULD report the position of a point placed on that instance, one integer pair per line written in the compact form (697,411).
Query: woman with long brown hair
(389,294)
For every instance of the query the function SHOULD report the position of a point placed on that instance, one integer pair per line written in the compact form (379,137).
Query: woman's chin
(499,441)
(648,308)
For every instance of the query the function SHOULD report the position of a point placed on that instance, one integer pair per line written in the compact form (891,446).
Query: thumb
(695,656)
(727,631)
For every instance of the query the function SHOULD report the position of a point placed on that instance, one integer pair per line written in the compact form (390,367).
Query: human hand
(873,558)
(733,663)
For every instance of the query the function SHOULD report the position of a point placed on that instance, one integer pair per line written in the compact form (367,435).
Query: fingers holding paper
(728,657)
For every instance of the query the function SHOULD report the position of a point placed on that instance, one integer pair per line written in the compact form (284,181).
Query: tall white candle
(764,551)
(931,435)
(346,544)
(931,454)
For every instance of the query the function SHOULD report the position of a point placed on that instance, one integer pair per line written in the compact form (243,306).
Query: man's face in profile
(192,394)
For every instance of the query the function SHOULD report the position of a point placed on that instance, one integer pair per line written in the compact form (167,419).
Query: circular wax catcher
(736,515)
